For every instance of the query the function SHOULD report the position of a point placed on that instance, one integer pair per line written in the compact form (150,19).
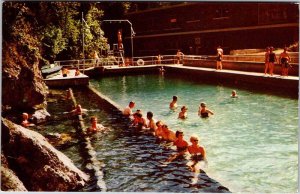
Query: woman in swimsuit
(203,111)
(272,60)
(267,60)
(284,59)
(197,153)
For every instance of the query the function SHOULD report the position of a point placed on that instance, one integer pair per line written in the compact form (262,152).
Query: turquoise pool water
(251,142)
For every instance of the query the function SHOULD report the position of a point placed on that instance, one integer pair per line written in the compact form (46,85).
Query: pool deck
(260,81)
(71,80)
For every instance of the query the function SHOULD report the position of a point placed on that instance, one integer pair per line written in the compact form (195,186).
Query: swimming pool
(251,142)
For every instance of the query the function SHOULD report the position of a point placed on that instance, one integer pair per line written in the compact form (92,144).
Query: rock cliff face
(37,163)
(22,83)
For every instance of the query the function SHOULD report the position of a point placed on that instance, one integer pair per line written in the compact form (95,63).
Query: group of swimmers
(163,132)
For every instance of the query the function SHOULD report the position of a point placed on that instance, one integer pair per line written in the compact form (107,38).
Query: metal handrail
(149,60)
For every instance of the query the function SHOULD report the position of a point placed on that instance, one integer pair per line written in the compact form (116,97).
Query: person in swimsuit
(25,122)
(234,94)
(159,130)
(141,121)
(284,59)
(151,124)
(69,94)
(128,110)
(183,113)
(203,111)
(65,72)
(197,152)
(179,55)
(78,111)
(77,72)
(173,104)
(95,127)
(159,58)
(272,60)
(219,58)
(180,144)
(267,60)
(167,134)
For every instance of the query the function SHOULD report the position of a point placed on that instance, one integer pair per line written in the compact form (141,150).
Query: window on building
(222,13)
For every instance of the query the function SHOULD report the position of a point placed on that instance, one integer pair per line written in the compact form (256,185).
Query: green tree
(94,35)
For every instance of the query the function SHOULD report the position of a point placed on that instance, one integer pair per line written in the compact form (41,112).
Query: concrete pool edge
(252,80)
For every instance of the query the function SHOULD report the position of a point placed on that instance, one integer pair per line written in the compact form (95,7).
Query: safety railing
(84,64)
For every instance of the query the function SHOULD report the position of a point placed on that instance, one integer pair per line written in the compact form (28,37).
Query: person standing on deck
(219,58)
(272,60)
(159,58)
(96,57)
(267,53)
(179,56)
(284,59)
(120,44)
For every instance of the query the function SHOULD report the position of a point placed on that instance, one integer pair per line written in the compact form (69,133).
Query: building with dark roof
(199,27)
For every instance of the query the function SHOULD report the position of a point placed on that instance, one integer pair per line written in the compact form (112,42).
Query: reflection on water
(249,140)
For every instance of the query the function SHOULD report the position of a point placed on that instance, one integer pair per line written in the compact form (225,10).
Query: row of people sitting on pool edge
(162,132)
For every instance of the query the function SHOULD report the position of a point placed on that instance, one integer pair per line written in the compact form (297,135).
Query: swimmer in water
(173,104)
(95,127)
(25,122)
(234,94)
(167,134)
(159,130)
(151,124)
(197,153)
(180,144)
(203,111)
(128,110)
(183,113)
(78,110)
